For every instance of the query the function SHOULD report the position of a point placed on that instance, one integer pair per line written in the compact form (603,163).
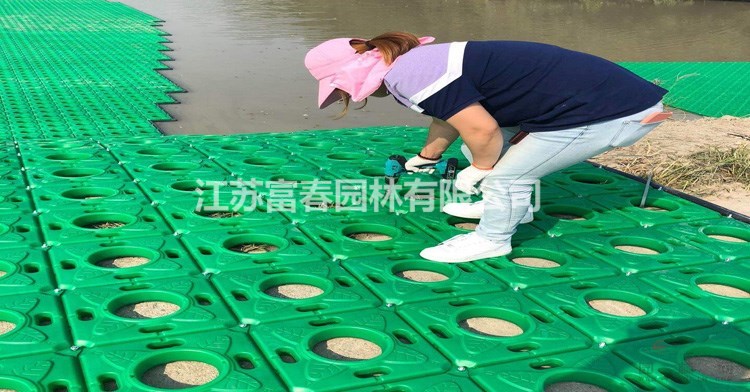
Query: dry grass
(698,173)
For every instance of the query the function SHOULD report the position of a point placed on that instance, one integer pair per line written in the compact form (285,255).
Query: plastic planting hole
(370,172)
(88,193)
(719,368)
(253,244)
(77,173)
(591,179)
(190,186)
(264,161)
(123,262)
(67,157)
(321,205)
(254,248)
(490,327)
(6,326)
(726,238)
(421,276)
(175,166)
(179,375)
(370,237)
(370,233)
(568,213)
(725,285)
(573,387)
(147,310)
(346,156)
(294,291)
(636,249)
(293,178)
(466,225)
(639,246)
(218,214)
(347,349)
(537,258)
(493,322)
(122,257)
(103,221)
(535,262)
(157,151)
(616,308)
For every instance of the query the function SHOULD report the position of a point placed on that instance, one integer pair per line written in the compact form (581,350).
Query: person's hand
(467,179)
(413,164)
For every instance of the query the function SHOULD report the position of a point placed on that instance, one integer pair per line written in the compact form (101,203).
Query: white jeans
(507,190)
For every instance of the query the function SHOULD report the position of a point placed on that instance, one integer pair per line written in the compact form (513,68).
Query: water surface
(241,60)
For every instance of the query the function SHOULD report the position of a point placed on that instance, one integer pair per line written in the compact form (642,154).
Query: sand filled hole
(218,214)
(636,249)
(370,237)
(179,375)
(104,225)
(2,273)
(724,290)
(616,308)
(294,291)
(347,349)
(719,368)
(254,248)
(573,387)
(490,326)
(147,310)
(123,262)
(466,225)
(535,262)
(725,238)
(6,326)
(421,276)
(654,208)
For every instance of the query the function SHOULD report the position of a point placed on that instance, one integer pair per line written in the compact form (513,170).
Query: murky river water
(242,60)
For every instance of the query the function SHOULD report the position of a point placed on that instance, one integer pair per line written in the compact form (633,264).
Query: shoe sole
(485,255)
(469,216)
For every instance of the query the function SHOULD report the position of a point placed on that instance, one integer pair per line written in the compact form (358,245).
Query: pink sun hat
(335,64)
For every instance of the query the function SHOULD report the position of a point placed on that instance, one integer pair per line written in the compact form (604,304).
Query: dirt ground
(680,136)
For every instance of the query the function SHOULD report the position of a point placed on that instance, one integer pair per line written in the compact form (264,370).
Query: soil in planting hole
(223,214)
(347,349)
(719,368)
(654,208)
(535,262)
(6,327)
(421,276)
(294,291)
(490,326)
(567,217)
(179,375)
(104,225)
(636,249)
(123,262)
(321,205)
(724,291)
(573,387)
(254,248)
(2,273)
(147,310)
(370,237)
(726,238)
(466,225)
(616,308)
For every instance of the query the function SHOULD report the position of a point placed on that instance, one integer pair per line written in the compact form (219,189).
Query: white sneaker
(465,247)
(476,209)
